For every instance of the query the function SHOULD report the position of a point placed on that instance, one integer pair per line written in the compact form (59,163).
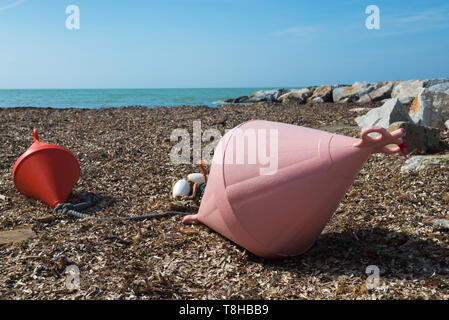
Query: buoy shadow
(396,254)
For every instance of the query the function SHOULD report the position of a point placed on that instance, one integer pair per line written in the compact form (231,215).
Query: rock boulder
(267,95)
(384,92)
(416,163)
(323,92)
(354,92)
(430,108)
(317,100)
(407,89)
(390,112)
(419,138)
(410,88)
(298,96)
(440,87)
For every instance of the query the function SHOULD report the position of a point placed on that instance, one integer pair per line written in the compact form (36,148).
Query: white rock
(430,108)
(384,92)
(267,95)
(447,124)
(354,92)
(296,95)
(181,188)
(322,92)
(407,89)
(390,112)
(317,100)
(441,87)
(196,177)
(425,162)
(411,88)
(444,223)
(305,91)
(434,82)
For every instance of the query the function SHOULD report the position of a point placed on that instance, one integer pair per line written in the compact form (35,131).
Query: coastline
(105,98)
(124,158)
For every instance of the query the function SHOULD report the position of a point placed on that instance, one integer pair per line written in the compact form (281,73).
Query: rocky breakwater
(360,92)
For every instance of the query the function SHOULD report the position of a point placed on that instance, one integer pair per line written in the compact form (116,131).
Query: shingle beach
(386,219)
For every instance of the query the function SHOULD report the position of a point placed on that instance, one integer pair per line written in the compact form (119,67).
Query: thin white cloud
(428,15)
(418,29)
(11,5)
(297,31)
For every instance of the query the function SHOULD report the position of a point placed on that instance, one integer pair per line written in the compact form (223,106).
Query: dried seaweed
(385,218)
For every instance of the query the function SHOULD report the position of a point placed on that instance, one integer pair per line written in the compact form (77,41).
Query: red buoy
(46,172)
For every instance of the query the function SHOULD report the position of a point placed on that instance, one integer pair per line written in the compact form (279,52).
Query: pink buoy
(273,187)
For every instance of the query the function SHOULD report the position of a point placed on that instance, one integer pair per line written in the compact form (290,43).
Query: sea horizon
(118,97)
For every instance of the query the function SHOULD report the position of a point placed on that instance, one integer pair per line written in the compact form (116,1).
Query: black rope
(73,210)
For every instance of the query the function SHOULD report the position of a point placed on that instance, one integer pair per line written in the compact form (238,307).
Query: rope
(73,210)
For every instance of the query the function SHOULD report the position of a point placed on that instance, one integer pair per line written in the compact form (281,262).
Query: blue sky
(219,43)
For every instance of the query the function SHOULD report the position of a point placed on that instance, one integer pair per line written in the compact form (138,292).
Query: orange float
(46,172)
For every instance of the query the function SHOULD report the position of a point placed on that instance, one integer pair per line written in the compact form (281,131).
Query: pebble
(441,223)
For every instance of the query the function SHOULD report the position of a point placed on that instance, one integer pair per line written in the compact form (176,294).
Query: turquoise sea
(100,98)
